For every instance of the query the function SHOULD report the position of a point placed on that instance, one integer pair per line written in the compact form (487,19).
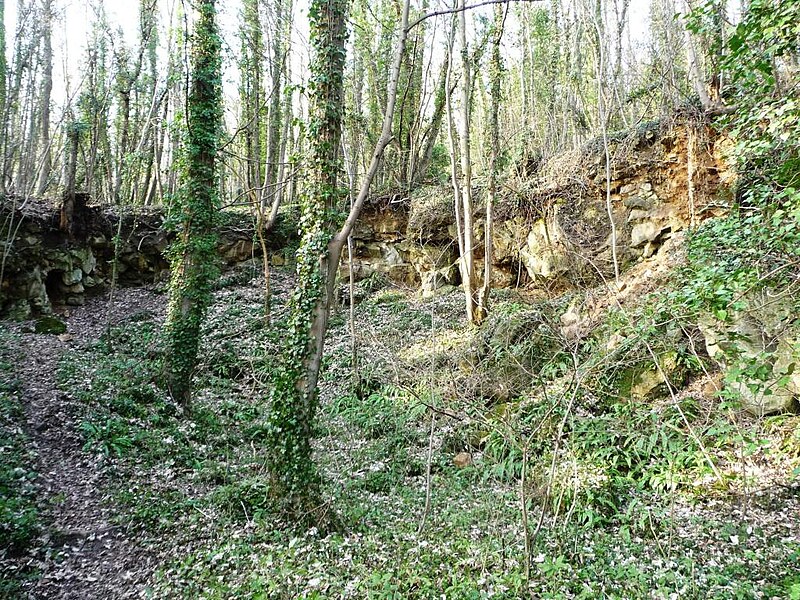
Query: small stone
(646,187)
(65,337)
(462,460)
(75,301)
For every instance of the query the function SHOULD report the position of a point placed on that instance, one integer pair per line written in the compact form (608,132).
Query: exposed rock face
(43,266)
(759,347)
(561,229)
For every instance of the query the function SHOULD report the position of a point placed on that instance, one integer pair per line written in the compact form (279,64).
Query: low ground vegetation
(610,467)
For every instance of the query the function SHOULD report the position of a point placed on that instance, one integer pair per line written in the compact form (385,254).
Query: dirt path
(83,553)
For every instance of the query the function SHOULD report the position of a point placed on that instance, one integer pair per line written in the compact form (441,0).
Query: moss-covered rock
(50,325)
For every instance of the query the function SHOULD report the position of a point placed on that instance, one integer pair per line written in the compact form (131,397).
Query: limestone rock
(760,339)
(462,460)
(647,383)
(644,232)
(543,254)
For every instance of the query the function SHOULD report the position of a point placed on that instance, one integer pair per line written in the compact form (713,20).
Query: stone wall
(43,266)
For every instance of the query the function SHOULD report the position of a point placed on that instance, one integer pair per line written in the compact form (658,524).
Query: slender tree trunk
(68,203)
(431,135)
(495,90)
(467,259)
(47,89)
(295,482)
(280,44)
(194,254)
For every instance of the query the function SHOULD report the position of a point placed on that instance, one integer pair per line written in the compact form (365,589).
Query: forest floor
(83,552)
(131,498)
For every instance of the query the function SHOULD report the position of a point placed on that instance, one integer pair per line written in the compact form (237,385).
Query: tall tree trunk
(68,201)
(280,41)
(295,482)
(467,259)
(251,95)
(47,89)
(431,135)
(194,253)
(495,91)
(3,69)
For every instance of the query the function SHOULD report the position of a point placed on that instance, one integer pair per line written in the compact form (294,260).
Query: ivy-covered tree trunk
(293,478)
(3,69)
(193,254)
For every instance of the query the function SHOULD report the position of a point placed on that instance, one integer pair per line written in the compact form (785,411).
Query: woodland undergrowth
(444,481)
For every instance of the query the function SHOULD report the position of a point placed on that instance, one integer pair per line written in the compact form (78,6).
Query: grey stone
(761,334)
(638,214)
(638,202)
(72,277)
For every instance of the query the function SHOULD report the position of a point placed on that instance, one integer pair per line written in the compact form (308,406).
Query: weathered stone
(638,214)
(75,301)
(90,282)
(436,283)
(85,258)
(462,460)
(646,187)
(543,254)
(644,232)
(760,336)
(72,277)
(649,382)
(277,260)
(638,202)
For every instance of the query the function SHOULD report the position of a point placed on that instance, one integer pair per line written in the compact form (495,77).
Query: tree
(495,91)
(251,95)
(294,481)
(2,60)
(193,254)
(47,89)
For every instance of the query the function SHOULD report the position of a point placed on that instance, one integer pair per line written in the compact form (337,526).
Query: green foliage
(50,325)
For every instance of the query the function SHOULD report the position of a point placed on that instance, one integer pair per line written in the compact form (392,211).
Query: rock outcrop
(43,266)
(663,179)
